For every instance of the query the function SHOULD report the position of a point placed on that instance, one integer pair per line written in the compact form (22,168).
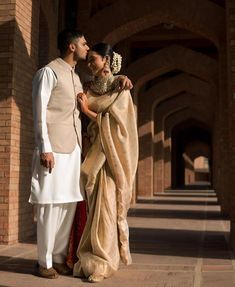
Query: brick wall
(22,24)
(7,23)
(25,63)
(18,60)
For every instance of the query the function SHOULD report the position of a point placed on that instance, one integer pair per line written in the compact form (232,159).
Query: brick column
(145,166)
(6,28)
(18,61)
(189,176)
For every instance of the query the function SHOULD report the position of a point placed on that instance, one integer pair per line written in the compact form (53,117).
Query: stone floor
(178,239)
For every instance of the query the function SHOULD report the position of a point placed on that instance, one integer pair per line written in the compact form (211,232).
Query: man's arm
(43,84)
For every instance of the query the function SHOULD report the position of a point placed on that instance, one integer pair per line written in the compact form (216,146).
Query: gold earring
(106,68)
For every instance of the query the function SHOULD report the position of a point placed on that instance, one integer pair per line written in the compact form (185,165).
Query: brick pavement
(178,239)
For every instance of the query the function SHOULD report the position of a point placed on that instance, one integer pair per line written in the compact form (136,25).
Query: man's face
(80,49)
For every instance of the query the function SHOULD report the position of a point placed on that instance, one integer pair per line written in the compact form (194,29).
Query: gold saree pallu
(107,177)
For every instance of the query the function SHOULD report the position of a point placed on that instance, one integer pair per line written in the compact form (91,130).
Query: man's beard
(77,57)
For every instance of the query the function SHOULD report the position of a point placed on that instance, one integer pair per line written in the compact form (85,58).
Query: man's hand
(47,160)
(125,83)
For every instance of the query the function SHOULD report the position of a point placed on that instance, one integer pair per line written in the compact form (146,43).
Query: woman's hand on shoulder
(82,99)
(124,83)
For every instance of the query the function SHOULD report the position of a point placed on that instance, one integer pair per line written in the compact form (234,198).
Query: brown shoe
(62,268)
(46,273)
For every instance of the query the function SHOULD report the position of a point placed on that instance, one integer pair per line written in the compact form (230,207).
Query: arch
(193,151)
(169,88)
(160,113)
(186,14)
(183,134)
(198,148)
(168,59)
(156,94)
(170,122)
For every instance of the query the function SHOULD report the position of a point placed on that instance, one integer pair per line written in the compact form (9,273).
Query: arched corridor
(180,56)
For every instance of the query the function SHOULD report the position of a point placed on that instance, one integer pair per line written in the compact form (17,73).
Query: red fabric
(76,232)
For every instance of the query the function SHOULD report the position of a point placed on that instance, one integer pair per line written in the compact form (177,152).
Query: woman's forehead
(92,53)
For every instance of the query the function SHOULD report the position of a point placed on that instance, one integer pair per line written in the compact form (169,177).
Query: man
(56,161)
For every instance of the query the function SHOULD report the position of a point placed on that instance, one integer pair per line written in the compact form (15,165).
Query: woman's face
(95,62)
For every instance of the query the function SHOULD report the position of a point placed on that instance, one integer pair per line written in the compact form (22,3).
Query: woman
(108,171)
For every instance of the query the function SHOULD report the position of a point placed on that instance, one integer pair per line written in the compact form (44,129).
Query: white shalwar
(53,228)
(55,193)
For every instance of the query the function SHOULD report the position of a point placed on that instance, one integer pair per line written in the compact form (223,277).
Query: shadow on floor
(178,242)
(189,190)
(196,186)
(166,195)
(180,214)
(184,202)
(17,265)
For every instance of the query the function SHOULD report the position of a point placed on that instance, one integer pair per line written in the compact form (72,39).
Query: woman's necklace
(103,85)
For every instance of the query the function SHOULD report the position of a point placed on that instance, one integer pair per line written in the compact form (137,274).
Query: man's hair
(67,37)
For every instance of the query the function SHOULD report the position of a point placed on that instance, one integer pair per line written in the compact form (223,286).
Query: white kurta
(63,184)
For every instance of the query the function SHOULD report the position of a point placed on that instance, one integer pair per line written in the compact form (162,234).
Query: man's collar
(65,64)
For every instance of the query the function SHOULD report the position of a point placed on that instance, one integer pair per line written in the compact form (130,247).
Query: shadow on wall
(17,69)
(43,40)
(19,59)
(145,143)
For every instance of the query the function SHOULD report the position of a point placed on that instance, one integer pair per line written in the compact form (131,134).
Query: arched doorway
(190,139)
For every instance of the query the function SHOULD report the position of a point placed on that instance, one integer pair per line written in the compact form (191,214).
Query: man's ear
(72,47)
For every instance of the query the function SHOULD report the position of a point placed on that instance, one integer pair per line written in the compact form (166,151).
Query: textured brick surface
(177,239)
(19,60)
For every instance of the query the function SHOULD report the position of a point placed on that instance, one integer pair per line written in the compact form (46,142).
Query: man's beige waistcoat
(63,116)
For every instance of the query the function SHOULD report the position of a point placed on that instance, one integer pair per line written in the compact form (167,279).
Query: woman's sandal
(94,278)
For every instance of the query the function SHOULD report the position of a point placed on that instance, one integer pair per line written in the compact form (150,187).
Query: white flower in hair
(116,63)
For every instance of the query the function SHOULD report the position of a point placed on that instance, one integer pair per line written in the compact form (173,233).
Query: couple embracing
(105,177)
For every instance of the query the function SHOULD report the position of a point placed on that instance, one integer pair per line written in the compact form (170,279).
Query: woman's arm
(124,83)
(82,98)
